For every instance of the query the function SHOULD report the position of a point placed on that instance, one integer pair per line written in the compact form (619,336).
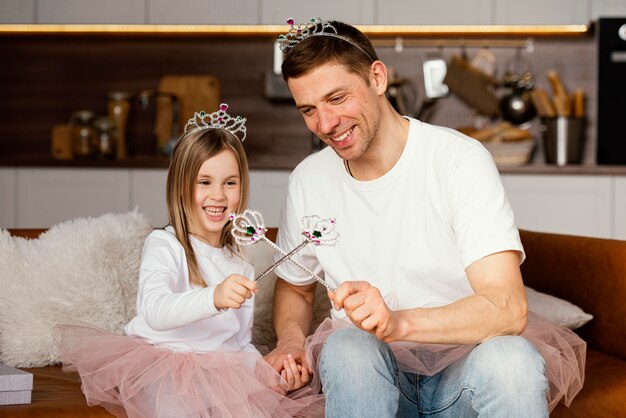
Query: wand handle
(281,261)
(300,266)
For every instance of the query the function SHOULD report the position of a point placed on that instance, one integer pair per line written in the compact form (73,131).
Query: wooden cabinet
(91,11)
(576,204)
(442,12)
(17,11)
(42,197)
(541,12)
(147,193)
(203,12)
(589,205)
(619,212)
(357,12)
(48,196)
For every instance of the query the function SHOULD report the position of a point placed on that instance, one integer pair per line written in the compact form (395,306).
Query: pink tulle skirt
(132,378)
(562,350)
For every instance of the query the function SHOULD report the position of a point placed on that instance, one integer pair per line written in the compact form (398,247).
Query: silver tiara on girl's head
(218,120)
(314,27)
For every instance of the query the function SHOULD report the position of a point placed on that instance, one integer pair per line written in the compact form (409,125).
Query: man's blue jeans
(502,377)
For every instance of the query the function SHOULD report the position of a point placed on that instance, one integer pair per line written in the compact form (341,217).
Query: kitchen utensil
(435,68)
(472,86)
(542,103)
(563,139)
(485,61)
(579,103)
(517,106)
(561,99)
(194,93)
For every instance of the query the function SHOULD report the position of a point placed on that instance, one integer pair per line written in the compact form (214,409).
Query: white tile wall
(17,11)
(450,12)
(203,12)
(352,11)
(91,11)
(607,8)
(541,12)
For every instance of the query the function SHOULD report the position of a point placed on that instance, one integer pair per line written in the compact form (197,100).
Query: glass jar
(118,107)
(105,139)
(82,133)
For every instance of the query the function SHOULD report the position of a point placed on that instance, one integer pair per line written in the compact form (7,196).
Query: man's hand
(366,308)
(287,346)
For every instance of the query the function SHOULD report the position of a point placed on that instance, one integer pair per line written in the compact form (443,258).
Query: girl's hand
(294,374)
(233,292)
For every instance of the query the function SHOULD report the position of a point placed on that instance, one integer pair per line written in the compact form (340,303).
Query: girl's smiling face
(216,195)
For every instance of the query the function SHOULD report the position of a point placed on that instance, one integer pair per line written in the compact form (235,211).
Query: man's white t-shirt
(173,313)
(412,232)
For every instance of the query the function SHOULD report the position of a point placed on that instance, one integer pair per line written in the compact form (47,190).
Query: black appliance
(611,126)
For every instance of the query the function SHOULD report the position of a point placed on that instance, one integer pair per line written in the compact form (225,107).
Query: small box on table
(16,385)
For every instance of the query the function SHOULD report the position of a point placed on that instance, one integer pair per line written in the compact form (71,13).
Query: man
(428,252)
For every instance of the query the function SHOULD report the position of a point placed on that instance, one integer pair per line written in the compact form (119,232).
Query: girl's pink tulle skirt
(562,350)
(131,378)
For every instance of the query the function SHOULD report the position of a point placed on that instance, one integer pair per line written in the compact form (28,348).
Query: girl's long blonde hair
(190,152)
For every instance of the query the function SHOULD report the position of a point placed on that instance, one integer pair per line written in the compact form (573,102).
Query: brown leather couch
(588,272)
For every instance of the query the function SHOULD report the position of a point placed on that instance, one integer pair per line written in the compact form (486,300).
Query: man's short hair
(315,51)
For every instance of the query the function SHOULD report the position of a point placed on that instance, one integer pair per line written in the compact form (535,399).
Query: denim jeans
(502,377)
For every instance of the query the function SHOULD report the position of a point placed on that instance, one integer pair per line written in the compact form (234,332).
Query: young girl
(188,351)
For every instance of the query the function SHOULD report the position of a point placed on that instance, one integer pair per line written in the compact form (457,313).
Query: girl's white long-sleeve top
(175,314)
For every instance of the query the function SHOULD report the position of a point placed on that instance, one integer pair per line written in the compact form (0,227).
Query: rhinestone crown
(219,119)
(314,27)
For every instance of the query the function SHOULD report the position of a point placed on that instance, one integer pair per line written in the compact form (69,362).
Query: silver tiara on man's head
(219,119)
(314,27)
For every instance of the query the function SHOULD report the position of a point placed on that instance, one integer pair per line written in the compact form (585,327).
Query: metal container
(563,139)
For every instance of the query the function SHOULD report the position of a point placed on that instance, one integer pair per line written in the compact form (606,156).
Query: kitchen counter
(278,163)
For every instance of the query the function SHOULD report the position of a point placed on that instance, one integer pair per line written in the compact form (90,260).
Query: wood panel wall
(44,78)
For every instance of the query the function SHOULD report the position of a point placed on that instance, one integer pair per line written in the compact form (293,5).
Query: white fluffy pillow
(556,310)
(85,269)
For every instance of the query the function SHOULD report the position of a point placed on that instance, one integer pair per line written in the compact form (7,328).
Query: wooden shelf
(374,31)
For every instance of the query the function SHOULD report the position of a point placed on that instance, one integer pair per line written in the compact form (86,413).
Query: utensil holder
(563,139)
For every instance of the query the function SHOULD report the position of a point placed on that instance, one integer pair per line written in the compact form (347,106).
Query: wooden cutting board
(194,92)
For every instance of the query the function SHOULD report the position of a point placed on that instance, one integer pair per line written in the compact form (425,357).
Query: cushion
(84,269)
(556,310)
